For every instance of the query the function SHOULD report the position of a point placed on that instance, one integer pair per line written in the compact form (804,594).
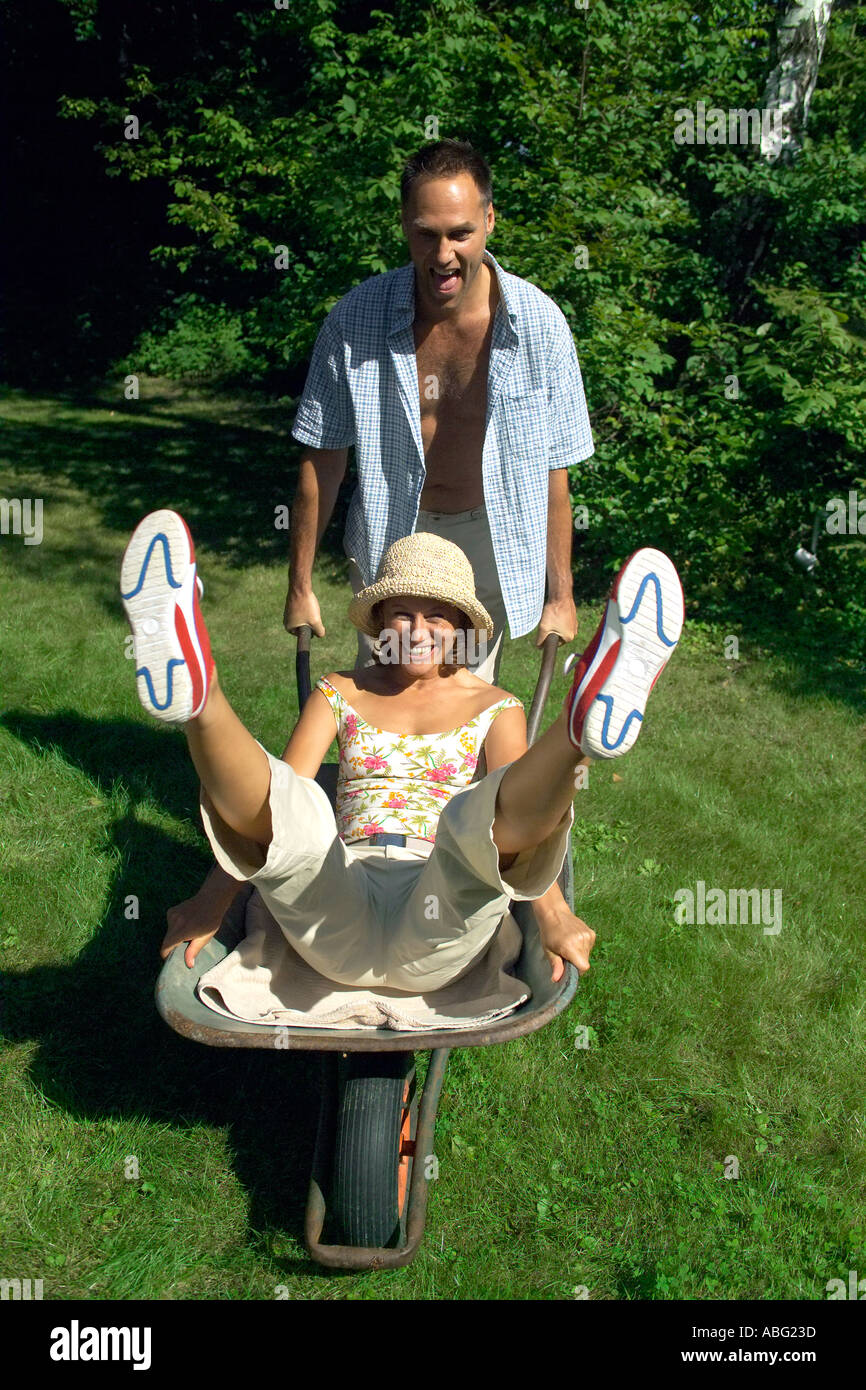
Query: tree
(802,34)
(717,296)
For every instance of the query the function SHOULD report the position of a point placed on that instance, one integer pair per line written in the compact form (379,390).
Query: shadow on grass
(227,469)
(815,656)
(227,465)
(103,1049)
(150,764)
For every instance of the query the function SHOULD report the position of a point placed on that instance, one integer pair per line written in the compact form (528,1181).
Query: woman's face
(418,633)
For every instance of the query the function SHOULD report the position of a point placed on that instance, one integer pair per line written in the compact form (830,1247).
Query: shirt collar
(403,302)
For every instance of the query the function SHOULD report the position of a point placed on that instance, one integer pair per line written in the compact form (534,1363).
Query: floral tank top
(398,783)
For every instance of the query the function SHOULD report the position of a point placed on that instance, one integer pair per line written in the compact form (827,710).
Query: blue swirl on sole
(169,676)
(607,701)
(175,583)
(668,641)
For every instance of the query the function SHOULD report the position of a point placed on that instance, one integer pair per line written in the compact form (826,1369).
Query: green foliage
(720,320)
(193,339)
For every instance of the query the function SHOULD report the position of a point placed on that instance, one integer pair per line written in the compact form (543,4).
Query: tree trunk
(801,36)
(802,32)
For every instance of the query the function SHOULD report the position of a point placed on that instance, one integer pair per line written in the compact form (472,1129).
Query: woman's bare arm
(312,736)
(197,919)
(506,738)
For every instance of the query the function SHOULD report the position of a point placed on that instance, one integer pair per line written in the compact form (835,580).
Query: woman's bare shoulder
(343,681)
(496,692)
(486,694)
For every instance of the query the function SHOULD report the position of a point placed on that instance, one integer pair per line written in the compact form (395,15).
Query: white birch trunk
(801,37)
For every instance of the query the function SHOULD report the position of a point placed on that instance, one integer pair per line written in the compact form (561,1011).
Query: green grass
(561,1166)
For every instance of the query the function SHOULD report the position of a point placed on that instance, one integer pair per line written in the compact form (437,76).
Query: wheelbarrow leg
(372,1257)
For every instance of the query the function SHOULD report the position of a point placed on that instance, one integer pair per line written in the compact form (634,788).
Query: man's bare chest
(452,370)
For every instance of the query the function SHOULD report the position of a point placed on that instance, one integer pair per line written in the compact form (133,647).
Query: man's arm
(321,473)
(324,417)
(559,534)
(559,614)
(570,442)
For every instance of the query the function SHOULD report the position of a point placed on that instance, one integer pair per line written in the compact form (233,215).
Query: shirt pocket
(526,421)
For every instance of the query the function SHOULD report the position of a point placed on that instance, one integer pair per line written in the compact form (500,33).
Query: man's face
(447,230)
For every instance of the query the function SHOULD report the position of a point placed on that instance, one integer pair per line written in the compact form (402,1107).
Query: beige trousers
(385,915)
(471,531)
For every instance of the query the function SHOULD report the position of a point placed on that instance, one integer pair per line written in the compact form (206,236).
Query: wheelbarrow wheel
(372,1147)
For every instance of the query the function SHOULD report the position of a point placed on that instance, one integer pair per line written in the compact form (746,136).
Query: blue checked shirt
(362,390)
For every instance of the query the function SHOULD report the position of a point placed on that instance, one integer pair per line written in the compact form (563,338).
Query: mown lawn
(711,1048)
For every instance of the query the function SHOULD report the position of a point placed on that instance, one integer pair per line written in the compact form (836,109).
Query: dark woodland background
(262,127)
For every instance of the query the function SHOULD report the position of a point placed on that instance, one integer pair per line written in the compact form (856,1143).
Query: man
(459,387)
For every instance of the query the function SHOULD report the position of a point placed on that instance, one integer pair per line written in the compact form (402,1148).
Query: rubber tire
(363,1200)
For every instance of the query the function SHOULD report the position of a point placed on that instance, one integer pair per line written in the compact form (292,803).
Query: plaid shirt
(362,390)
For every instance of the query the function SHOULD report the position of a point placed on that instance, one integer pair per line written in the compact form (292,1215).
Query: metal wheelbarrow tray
(375,1135)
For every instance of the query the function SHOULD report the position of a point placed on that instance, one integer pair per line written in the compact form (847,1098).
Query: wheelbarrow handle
(302,664)
(545,676)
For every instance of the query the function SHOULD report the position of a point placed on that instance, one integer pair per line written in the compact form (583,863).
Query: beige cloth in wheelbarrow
(378,936)
(265,981)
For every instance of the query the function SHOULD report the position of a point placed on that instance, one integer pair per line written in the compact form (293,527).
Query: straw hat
(422,566)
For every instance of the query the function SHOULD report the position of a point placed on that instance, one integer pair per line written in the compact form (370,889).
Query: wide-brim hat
(422,566)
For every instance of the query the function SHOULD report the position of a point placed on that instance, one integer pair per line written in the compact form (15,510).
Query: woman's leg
(536,791)
(176,679)
(233,767)
(603,712)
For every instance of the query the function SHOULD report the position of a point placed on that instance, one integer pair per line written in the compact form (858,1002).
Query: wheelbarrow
(374,1153)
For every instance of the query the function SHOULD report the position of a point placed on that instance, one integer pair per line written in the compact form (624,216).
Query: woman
(359,910)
